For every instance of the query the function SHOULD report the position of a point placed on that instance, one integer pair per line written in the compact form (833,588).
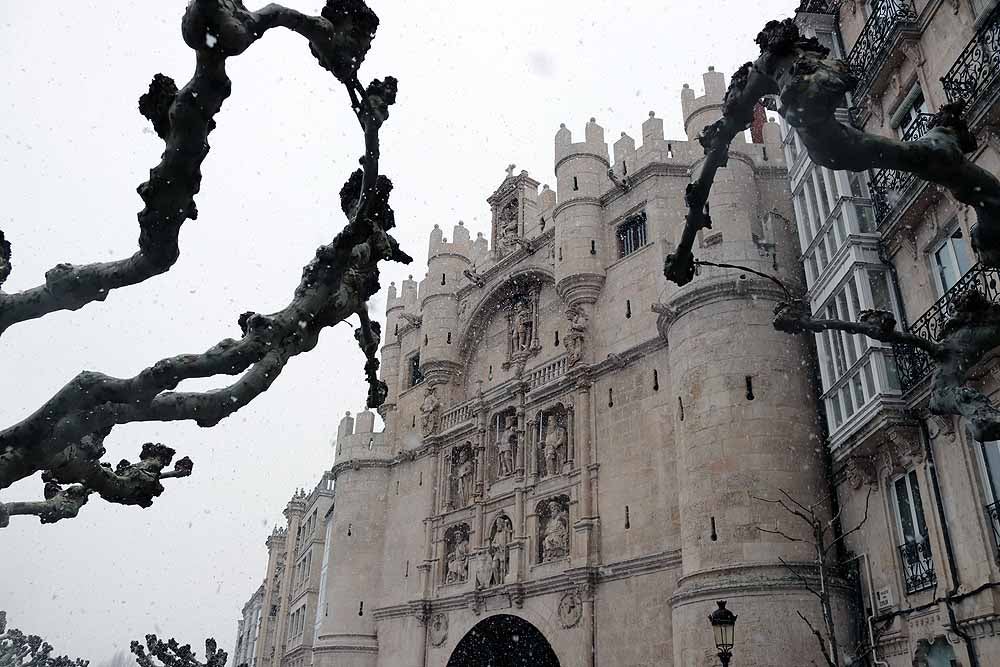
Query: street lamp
(724,626)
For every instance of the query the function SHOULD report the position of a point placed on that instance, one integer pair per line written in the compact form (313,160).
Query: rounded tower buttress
(346,629)
(745,424)
(439,328)
(581,178)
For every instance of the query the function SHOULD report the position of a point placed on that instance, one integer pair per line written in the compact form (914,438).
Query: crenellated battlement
(593,144)
(357,439)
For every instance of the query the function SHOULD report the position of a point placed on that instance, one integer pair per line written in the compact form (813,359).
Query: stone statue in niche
(523,327)
(458,558)
(506,443)
(555,532)
(508,225)
(464,476)
(555,446)
(499,549)
(575,338)
(430,412)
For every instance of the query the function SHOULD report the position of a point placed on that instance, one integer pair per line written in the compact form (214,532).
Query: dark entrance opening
(503,641)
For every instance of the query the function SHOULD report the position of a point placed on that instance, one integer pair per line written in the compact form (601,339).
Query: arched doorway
(503,641)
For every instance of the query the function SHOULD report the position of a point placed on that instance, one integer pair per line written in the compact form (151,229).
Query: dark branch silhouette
(64,438)
(810,87)
(20,650)
(159,653)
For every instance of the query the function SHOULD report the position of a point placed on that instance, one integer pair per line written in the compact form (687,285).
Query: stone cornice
(746,578)
(575,201)
(570,156)
(710,291)
(569,580)
(358,464)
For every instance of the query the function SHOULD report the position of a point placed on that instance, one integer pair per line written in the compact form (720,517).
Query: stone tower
(745,423)
(345,635)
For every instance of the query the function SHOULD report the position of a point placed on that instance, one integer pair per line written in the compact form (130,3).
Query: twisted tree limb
(20,650)
(64,437)
(810,88)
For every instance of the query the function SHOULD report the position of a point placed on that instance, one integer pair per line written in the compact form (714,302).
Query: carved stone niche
(503,443)
(461,475)
(552,433)
(522,327)
(860,471)
(456,547)
(553,529)
(494,560)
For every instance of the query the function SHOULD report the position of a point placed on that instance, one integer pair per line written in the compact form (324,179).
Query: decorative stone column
(484,431)
(521,437)
(582,424)
(531,442)
(570,436)
(517,545)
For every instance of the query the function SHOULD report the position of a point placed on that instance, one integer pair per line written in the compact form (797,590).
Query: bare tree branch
(856,528)
(819,638)
(64,438)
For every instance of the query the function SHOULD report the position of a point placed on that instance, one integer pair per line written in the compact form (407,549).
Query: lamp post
(724,626)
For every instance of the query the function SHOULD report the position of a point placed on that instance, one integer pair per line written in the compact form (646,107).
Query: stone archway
(503,641)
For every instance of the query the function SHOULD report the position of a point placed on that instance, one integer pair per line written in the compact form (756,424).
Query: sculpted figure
(458,565)
(465,478)
(575,338)
(430,412)
(505,448)
(555,446)
(522,326)
(555,541)
(500,540)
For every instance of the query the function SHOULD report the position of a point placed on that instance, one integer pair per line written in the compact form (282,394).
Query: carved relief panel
(461,476)
(551,431)
(504,442)
(456,565)
(494,559)
(553,529)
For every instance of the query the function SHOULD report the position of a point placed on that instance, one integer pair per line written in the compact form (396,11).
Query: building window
(631,234)
(951,260)
(910,111)
(416,377)
(989,468)
(915,550)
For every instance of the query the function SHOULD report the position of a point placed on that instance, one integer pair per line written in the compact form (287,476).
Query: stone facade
(927,558)
(573,447)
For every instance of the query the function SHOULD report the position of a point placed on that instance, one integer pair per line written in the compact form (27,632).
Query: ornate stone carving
(506,447)
(501,535)
(430,412)
(508,226)
(555,445)
(576,337)
(439,628)
(553,534)
(570,609)
(457,563)
(523,326)
(463,476)
(860,472)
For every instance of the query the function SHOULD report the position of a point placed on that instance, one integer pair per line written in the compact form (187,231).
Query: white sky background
(481,85)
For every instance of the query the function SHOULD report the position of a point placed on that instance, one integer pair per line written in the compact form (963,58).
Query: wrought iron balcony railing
(978,66)
(993,514)
(887,185)
(918,565)
(914,364)
(872,46)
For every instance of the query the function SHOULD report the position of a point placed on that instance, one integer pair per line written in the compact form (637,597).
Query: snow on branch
(810,87)
(20,650)
(171,654)
(64,438)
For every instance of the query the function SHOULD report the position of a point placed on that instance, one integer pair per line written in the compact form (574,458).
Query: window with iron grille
(631,234)
(416,377)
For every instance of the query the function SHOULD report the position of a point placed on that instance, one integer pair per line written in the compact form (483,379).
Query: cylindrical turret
(581,178)
(745,427)
(446,262)
(347,635)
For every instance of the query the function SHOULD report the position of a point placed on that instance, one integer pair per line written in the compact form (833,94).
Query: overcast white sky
(481,85)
